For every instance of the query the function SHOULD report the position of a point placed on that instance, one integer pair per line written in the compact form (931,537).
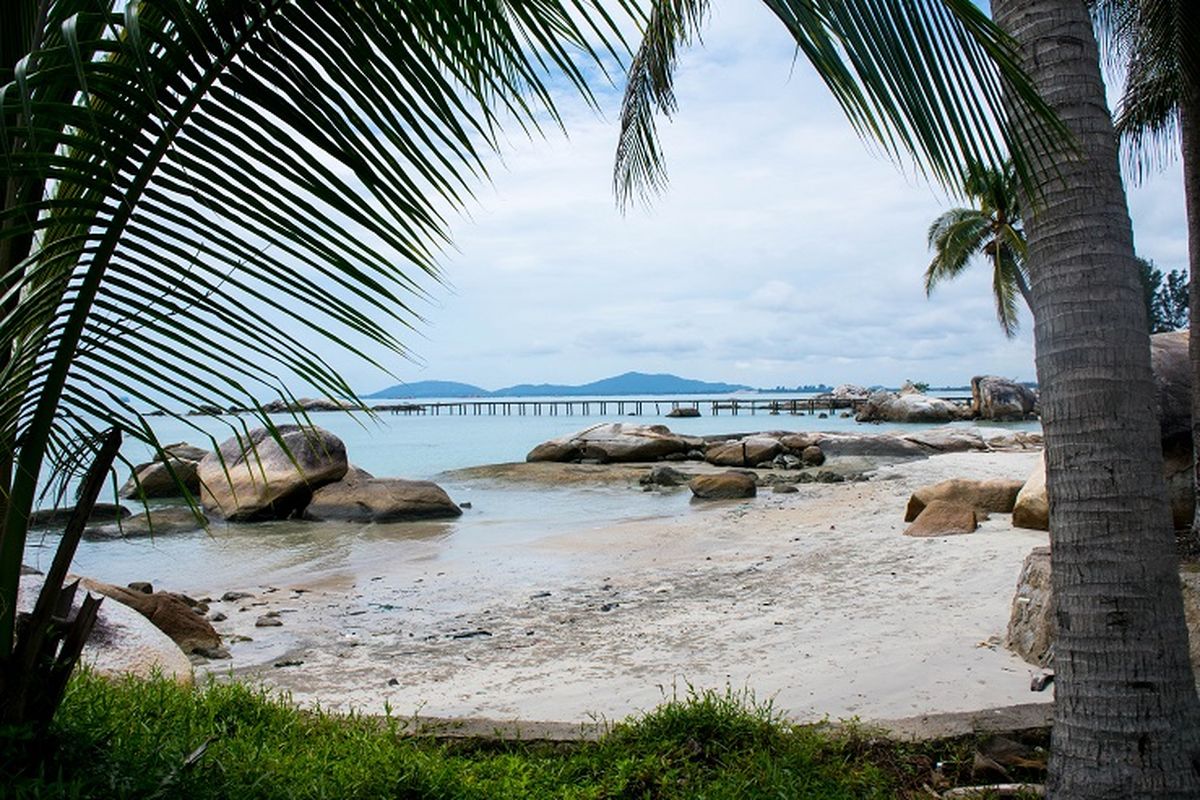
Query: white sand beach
(814,600)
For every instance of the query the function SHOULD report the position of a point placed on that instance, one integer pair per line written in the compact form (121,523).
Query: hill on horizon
(627,383)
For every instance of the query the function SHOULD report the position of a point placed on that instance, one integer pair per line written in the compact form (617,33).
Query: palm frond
(955,237)
(925,79)
(238,185)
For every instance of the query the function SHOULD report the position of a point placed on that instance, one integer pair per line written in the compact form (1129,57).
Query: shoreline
(814,600)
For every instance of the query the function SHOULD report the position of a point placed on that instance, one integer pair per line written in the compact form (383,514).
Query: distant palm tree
(991,228)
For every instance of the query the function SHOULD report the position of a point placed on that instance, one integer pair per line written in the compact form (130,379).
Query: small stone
(212,652)
(289,663)
(233,597)
(1039,682)
(239,638)
(268,622)
(470,634)
(784,488)
(825,476)
(609,606)
(465,504)
(393,682)
(218,617)
(145,587)
(538,595)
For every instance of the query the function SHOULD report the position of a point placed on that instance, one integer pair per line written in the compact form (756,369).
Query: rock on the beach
(994,495)
(1032,507)
(154,479)
(1031,626)
(723,486)
(610,442)
(1173,385)
(746,452)
(359,497)
(907,407)
(170,613)
(812,456)
(123,642)
(944,518)
(56,517)
(948,440)
(995,398)
(662,475)
(262,481)
(155,522)
(683,411)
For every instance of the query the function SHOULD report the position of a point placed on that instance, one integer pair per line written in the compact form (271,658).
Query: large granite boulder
(987,496)
(610,442)
(908,406)
(171,613)
(723,486)
(155,522)
(1031,625)
(154,478)
(1173,382)
(746,452)
(995,398)
(943,518)
(1032,506)
(360,497)
(123,642)
(252,477)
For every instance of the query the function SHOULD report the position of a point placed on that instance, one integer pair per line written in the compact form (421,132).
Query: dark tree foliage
(1166,297)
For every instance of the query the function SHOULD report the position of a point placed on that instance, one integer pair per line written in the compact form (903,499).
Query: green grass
(134,739)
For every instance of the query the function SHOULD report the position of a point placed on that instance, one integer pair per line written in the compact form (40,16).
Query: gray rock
(361,498)
(662,475)
(996,398)
(253,478)
(55,517)
(784,488)
(908,407)
(723,486)
(683,411)
(615,442)
(156,522)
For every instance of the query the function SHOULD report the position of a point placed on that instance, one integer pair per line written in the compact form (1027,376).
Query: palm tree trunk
(1189,126)
(1127,717)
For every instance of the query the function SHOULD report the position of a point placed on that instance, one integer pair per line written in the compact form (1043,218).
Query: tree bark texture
(1189,128)
(1127,717)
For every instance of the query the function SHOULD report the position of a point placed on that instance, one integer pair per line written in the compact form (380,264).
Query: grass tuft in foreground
(137,739)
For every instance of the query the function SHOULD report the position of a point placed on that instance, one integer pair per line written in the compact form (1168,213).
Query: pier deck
(623,407)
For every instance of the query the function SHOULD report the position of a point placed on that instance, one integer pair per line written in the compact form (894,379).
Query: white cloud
(783,252)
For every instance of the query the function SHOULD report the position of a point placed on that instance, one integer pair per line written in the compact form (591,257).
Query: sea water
(503,520)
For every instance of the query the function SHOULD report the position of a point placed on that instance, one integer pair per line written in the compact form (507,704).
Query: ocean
(502,521)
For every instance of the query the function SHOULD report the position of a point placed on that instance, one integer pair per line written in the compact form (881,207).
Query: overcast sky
(782,253)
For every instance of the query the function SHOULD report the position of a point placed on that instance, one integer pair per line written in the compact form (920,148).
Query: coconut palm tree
(198,192)
(991,227)
(1127,689)
(1127,717)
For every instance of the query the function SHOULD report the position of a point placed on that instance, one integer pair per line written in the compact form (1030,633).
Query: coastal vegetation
(150,739)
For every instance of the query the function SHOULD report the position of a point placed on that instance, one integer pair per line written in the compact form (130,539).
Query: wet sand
(813,600)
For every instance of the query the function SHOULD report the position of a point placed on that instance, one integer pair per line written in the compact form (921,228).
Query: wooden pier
(624,407)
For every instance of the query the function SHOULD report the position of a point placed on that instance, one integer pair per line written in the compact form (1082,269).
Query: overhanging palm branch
(215,176)
(924,79)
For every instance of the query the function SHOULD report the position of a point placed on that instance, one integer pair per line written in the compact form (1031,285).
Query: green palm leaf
(923,78)
(225,174)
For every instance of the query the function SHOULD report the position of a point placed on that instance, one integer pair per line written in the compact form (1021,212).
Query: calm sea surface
(500,520)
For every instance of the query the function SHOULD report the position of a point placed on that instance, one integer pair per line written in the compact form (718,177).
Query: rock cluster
(621,442)
(295,471)
(1000,399)
(909,405)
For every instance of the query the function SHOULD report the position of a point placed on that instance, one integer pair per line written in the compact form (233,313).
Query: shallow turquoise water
(502,517)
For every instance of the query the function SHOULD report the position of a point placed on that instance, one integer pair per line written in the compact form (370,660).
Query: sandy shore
(814,600)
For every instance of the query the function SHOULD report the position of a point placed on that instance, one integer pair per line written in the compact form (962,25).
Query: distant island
(626,384)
